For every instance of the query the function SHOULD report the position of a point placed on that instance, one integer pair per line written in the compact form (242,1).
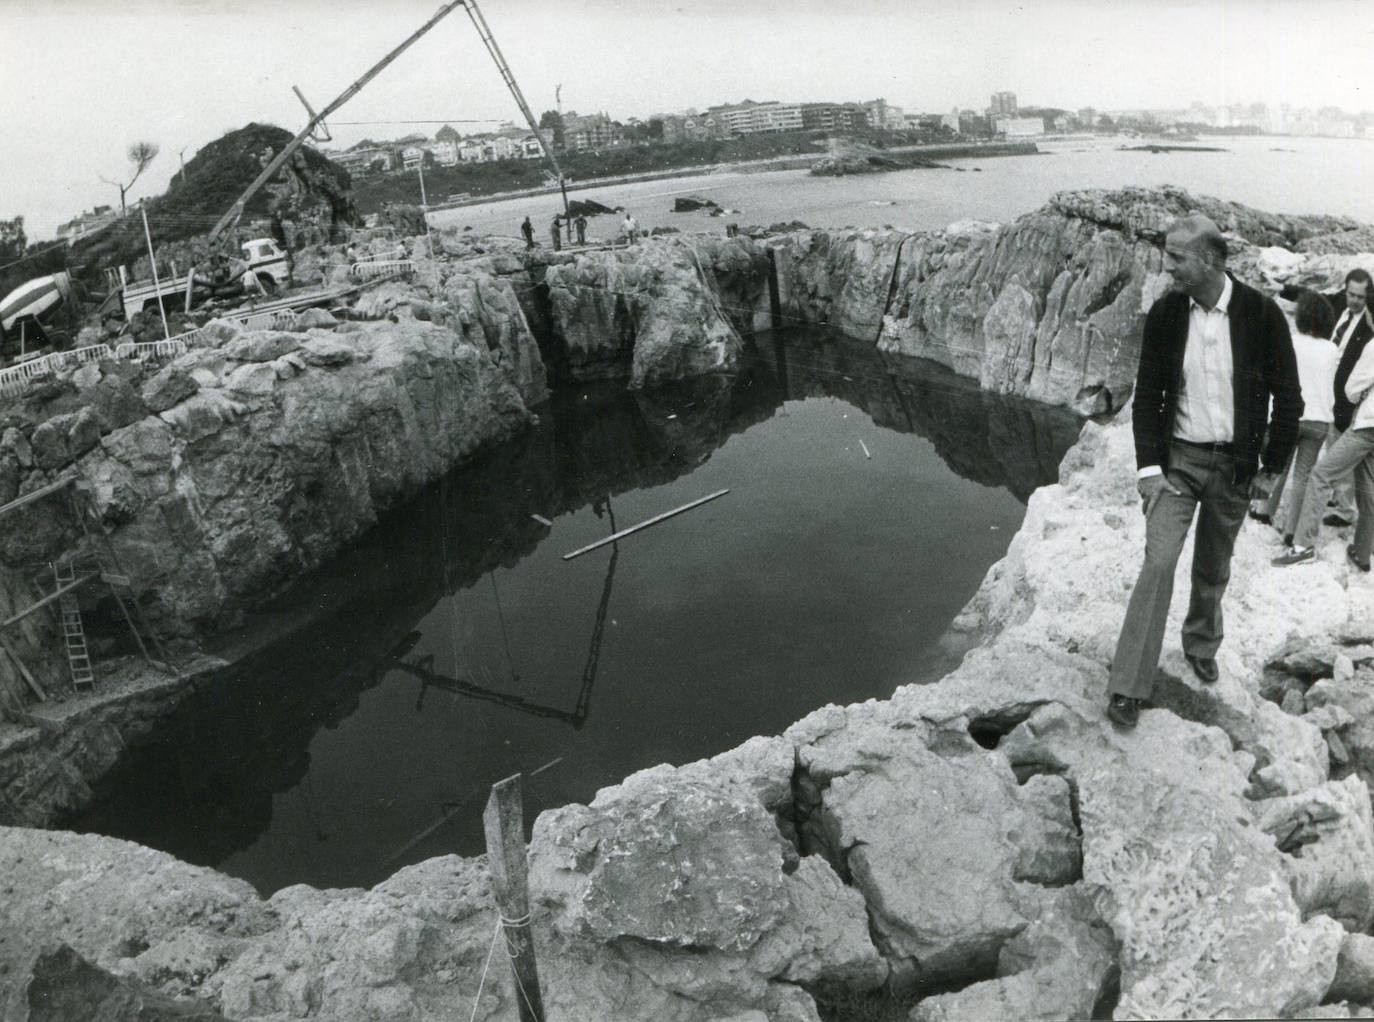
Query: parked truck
(266,262)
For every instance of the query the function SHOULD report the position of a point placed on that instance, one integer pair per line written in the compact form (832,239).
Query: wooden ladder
(73,632)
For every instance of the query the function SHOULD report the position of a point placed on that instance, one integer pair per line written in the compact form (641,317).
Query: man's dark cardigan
(1263,364)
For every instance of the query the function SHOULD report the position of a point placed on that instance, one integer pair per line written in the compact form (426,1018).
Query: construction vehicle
(36,316)
(266,261)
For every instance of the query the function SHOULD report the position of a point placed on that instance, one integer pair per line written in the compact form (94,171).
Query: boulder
(1207,922)
(168,387)
(1058,967)
(64,987)
(261,347)
(1329,838)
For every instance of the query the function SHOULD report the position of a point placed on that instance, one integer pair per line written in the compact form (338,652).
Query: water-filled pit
(454,645)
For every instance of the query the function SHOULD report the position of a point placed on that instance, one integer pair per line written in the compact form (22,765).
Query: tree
(140,154)
(554,120)
(12,240)
(656,128)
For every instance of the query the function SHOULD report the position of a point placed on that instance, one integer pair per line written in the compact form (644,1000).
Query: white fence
(380,268)
(281,319)
(14,379)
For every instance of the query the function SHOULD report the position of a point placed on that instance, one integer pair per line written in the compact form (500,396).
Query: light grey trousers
(1206,483)
(1352,453)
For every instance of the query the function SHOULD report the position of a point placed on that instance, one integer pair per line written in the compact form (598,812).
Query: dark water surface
(454,646)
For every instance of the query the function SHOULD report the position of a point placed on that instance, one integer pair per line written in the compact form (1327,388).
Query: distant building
(412,156)
(1087,118)
(365,159)
(445,152)
(470,151)
(595,131)
(833,116)
(1019,127)
(1003,105)
(84,223)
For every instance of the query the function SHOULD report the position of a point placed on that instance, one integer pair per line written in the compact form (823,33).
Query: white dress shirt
(1206,408)
(1206,403)
(1345,326)
(1358,387)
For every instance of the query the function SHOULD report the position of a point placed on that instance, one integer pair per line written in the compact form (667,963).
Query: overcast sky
(81,79)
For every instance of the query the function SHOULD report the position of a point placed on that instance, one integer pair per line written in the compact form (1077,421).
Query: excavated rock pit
(947,844)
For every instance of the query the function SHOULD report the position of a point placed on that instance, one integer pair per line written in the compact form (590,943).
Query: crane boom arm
(236,211)
(479,22)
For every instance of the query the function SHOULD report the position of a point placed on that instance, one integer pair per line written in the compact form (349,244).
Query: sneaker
(1336,520)
(1350,556)
(1294,555)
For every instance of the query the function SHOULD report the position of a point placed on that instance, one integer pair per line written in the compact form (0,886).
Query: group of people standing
(1333,336)
(629,230)
(1224,399)
(555,230)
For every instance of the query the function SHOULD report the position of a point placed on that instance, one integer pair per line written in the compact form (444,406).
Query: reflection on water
(454,645)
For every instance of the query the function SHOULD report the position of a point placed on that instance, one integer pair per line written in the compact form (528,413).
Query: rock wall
(666,308)
(946,845)
(255,456)
(1049,307)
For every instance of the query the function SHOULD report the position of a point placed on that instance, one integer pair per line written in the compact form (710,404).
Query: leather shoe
(1335,520)
(1259,516)
(1350,556)
(1204,667)
(1123,711)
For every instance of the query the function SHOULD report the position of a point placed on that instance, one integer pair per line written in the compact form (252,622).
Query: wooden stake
(503,821)
(24,671)
(865,447)
(644,524)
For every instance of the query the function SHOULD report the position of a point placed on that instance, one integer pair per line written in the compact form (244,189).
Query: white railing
(381,268)
(156,351)
(281,319)
(15,378)
(372,257)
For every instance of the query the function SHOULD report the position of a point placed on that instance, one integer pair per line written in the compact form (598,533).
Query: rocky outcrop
(666,309)
(1049,307)
(987,840)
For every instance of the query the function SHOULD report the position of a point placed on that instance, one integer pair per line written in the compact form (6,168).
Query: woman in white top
(1317,358)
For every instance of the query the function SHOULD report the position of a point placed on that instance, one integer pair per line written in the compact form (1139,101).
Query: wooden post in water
(503,821)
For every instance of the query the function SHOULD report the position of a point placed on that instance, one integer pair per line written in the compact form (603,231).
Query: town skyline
(189,70)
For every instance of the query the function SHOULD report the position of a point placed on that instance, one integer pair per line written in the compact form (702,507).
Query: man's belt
(1226,448)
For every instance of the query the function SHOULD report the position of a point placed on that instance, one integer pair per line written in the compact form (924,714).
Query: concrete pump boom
(236,211)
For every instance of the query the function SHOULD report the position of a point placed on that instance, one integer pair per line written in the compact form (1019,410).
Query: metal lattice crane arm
(236,211)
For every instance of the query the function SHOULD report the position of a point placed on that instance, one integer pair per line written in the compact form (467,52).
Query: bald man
(1214,353)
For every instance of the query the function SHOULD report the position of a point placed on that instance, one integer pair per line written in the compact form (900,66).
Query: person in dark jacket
(1214,352)
(527,229)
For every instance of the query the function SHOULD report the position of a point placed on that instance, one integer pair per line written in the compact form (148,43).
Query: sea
(1276,174)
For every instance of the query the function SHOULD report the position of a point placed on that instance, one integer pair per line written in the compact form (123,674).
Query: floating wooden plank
(503,822)
(542,521)
(865,447)
(37,494)
(55,595)
(645,524)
